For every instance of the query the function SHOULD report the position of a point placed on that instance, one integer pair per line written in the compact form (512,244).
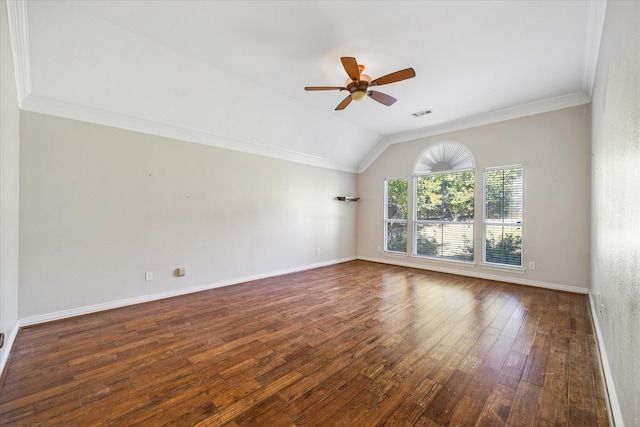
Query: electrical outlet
(317,251)
(148,276)
(532,265)
(602,311)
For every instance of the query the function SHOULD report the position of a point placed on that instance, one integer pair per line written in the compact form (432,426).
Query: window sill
(518,270)
(394,254)
(445,261)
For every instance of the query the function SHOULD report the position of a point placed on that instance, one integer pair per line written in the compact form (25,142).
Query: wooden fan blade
(407,73)
(344,103)
(325,88)
(382,98)
(351,67)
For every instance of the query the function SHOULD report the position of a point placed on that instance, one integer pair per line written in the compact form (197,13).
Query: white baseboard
(614,403)
(63,314)
(8,346)
(480,275)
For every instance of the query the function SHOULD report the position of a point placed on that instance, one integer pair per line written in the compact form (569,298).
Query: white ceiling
(231,73)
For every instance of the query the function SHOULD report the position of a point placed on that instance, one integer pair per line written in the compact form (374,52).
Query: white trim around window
(503,217)
(395,216)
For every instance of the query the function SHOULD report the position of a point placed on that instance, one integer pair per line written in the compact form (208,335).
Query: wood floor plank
(581,386)
(511,371)
(534,370)
(465,413)
(412,406)
(321,413)
(555,392)
(441,407)
(497,407)
(316,393)
(401,389)
(357,343)
(525,407)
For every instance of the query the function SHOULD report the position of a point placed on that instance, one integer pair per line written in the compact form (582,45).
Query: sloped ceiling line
(19,35)
(596,12)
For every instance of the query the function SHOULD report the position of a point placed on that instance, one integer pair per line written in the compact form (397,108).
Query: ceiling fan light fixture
(358,95)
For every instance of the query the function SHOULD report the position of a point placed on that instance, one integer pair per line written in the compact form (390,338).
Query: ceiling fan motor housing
(358,89)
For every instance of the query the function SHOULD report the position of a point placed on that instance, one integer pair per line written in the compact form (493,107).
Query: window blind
(443,227)
(503,216)
(395,216)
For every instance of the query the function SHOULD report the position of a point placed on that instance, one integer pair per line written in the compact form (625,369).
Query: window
(443,225)
(444,202)
(395,215)
(502,223)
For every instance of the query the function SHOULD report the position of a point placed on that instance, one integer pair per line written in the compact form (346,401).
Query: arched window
(444,202)
(447,156)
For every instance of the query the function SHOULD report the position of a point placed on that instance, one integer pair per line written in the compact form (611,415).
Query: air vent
(421,113)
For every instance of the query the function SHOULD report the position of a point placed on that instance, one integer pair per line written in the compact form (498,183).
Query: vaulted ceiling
(231,73)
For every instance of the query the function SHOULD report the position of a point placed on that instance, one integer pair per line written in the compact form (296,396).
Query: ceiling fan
(358,84)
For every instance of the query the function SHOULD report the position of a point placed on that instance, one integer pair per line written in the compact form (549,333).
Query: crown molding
(595,23)
(373,155)
(76,112)
(66,110)
(538,107)
(19,37)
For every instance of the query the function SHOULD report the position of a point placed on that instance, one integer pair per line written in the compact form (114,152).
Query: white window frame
(416,221)
(387,220)
(519,224)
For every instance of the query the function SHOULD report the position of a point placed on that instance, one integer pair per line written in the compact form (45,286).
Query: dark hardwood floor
(355,344)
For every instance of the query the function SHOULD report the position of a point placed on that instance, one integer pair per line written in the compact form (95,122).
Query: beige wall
(9,162)
(616,203)
(100,206)
(554,149)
